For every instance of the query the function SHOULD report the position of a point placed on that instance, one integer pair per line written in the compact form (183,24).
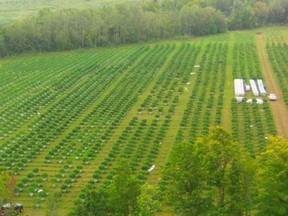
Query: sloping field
(13,10)
(67,118)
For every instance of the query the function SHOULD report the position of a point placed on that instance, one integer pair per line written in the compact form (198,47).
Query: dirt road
(279,109)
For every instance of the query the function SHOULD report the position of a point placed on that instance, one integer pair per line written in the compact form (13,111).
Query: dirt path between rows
(279,109)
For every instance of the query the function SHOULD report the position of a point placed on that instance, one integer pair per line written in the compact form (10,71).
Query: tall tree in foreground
(124,196)
(273,177)
(7,186)
(211,176)
(124,191)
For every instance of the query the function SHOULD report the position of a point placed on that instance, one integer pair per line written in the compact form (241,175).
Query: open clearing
(67,118)
(18,9)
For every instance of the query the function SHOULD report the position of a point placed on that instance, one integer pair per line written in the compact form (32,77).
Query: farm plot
(278,56)
(64,139)
(27,96)
(252,123)
(67,119)
(204,106)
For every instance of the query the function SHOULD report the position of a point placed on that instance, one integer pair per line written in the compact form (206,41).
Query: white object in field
(239,87)
(247,88)
(239,99)
(259,101)
(151,168)
(6,206)
(249,101)
(272,97)
(254,87)
(261,87)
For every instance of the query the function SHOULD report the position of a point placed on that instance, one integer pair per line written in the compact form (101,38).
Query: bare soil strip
(279,109)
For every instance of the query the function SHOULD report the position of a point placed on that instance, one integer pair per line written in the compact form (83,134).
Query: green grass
(14,10)
(91,108)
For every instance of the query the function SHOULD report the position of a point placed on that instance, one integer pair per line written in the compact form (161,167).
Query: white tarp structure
(261,87)
(254,87)
(247,88)
(259,101)
(239,99)
(249,101)
(239,87)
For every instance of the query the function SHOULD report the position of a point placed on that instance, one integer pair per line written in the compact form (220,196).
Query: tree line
(52,30)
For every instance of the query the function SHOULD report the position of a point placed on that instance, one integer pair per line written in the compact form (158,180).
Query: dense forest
(53,30)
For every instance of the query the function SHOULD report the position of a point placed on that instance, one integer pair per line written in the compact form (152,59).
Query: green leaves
(122,197)
(273,173)
(210,176)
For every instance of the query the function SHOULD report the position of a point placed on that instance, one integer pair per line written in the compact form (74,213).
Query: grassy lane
(89,169)
(171,134)
(52,168)
(278,107)
(229,86)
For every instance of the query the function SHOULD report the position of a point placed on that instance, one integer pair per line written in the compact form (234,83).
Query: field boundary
(279,109)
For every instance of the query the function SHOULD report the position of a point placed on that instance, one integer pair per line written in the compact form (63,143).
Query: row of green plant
(140,142)
(246,64)
(204,108)
(278,56)
(252,124)
(84,143)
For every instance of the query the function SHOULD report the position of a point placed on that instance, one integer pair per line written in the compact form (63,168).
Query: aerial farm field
(67,118)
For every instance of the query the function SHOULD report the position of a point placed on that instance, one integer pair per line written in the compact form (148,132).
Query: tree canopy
(273,175)
(124,196)
(211,176)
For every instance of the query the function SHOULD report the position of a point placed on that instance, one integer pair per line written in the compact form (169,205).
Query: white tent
(259,101)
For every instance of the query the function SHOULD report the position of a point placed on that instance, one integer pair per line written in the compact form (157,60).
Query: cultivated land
(67,118)
(12,10)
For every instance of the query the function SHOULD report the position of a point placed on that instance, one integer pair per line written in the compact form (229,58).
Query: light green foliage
(210,176)
(7,184)
(53,204)
(122,197)
(124,191)
(13,10)
(148,202)
(95,203)
(273,173)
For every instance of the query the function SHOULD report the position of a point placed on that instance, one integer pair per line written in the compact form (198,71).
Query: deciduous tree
(273,178)
(211,176)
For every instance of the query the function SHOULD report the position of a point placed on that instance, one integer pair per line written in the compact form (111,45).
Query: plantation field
(67,118)
(13,10)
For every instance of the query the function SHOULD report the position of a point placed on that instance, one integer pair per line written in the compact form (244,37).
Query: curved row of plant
(203,110)
(37,98)
(19,151)
(78,148)
(251,123)
(278,56)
